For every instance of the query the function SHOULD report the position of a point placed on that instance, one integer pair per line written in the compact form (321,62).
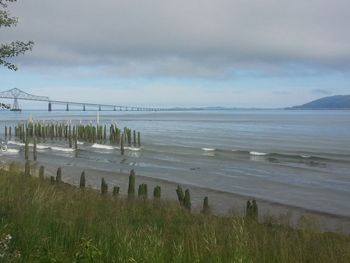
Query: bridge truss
(17,94)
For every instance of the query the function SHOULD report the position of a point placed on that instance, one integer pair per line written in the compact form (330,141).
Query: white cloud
(188,38)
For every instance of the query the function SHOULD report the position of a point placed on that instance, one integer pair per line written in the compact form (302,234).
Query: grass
(62,223)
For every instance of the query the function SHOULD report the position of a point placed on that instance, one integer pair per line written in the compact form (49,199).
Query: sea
(292,157)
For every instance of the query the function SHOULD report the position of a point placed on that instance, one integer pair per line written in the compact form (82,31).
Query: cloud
(187,38)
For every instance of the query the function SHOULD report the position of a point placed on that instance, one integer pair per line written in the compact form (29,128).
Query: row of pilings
(72,133)
(184,198)
(142,193)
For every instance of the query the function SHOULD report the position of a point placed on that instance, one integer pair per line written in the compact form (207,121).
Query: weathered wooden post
(206,208)
(105,133)
(34,150)
(131,189)
(187,200)
(139,139)
(70,141)
(10,131)
(157,192)
(27,168)
(82,182)
(26,149)
(5,131)
(76,142)
(23,134)
(134,138)
(104,186)
(59,175)
(41,173)
(129,136)
(122,145)
(180,195)
(142,193)
(52,180)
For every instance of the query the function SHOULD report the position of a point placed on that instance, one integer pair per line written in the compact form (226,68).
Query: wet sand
(221,203)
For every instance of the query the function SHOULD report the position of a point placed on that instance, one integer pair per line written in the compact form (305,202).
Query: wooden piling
(59,175)
(82,182)
(104,186)
(180,195)
(27,168)
(187,200)
(34,150)
(157,192)
(131,188)
(206,208)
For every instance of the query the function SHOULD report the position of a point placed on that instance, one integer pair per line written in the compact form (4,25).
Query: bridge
(17,94)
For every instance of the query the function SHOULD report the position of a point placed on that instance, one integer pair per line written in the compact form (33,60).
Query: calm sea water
(299,158)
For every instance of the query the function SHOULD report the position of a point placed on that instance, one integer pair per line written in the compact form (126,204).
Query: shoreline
(221,203)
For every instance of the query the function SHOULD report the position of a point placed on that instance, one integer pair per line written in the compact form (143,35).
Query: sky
(191,53)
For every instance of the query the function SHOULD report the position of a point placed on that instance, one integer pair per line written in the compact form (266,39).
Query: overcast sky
(237,53)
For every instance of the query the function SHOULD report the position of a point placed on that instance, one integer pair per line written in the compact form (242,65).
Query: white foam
(42,147)
(80,143)
(15,143)
(11,151)
(132,148)
(39,146)
(208,149)
(257,153)
(62,149)
(305,156)
(102,146)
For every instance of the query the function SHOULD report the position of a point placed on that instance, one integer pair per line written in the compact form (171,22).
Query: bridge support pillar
(84,109)
(50,106)
(67,107)
(114,109)
(99,108)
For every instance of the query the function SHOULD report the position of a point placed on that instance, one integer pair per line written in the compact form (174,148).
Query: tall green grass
(62,223)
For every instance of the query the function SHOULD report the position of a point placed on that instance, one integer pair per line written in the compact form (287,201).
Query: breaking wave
(208,149)
(258,153)
(102,146)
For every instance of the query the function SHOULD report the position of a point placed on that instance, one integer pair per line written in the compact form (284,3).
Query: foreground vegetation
(45,222)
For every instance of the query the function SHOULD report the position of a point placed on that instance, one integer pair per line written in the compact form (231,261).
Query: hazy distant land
(338,102)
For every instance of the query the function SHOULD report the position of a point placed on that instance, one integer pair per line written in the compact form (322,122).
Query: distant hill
(332,103)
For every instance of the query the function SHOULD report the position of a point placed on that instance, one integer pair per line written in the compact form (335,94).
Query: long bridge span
(17,94)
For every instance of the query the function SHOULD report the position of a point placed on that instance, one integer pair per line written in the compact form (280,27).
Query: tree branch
(13,49)
(4,4)
(6,20)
